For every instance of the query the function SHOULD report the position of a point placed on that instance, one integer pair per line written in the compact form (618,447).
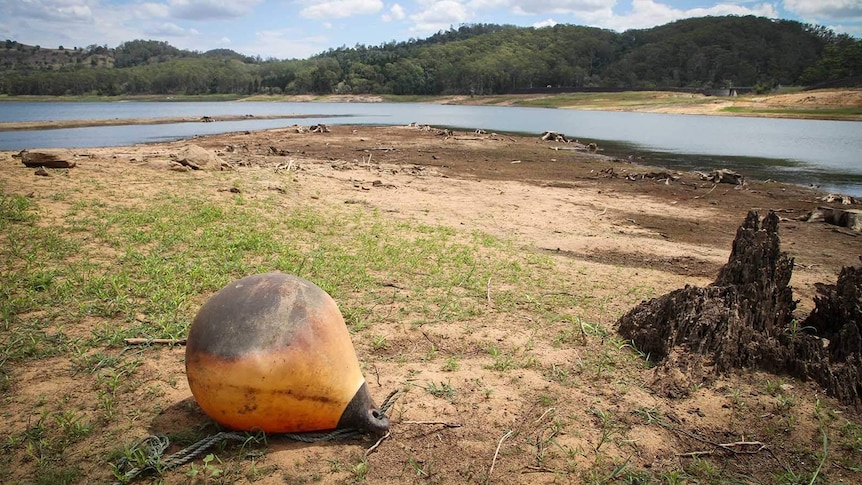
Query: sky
(293,29)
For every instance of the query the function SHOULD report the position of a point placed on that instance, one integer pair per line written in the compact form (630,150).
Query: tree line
(698,53)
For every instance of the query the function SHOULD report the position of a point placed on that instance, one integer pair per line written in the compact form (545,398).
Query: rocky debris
(197,158)
(207,119)
(320,128)
(47,159)
(660,176)
(745,320)
(243,148)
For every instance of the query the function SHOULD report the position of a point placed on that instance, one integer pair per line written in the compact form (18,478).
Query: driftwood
(660,176)
(44,159)
(841,198)
(554,136)
(745,320)
(849,218)
(723,176)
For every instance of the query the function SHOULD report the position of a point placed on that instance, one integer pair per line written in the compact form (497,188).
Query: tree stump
(837,318)
(48,159)
(745,320)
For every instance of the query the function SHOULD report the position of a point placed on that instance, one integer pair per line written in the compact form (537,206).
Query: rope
(151,448)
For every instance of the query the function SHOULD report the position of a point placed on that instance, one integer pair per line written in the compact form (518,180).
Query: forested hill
(698,53)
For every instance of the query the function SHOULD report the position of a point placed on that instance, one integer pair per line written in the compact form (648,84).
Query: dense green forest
(696,53)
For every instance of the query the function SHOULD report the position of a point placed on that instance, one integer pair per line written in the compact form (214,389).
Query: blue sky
(285,29)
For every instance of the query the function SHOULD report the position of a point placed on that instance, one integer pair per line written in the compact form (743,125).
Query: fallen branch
(158,341)
(494,460)
(375,445)
(731,447)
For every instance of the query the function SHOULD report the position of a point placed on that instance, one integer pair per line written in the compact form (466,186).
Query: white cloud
(150,10)
(210,9)
(170,29)
(396,12)
(439,16)
(842,10)
(545,23)
(51,10)
(341,9)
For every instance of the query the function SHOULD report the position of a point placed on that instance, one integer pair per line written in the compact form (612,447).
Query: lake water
(825,153)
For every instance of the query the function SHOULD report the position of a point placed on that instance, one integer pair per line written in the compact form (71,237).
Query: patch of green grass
(851,437)
(443,390)
(821,113)
(451,364)
(15,209)
(621,99)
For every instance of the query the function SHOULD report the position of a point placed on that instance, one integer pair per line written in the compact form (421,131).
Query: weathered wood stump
(745,320)
(849,218)
(554,136)
(57,159)
(723,176)
(837,318)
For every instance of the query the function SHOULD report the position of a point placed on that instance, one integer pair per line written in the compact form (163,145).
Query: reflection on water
(826,153)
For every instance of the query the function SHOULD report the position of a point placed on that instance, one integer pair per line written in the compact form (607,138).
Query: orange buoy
(271,352)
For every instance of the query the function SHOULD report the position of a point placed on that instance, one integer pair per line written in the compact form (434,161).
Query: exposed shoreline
(830,104)
(489,266)
(61,124)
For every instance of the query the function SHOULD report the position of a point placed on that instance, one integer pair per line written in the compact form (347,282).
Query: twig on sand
(375,445)
(494,461)
(159,341)
(737,448)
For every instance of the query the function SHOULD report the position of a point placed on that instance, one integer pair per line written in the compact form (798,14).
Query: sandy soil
(622,230)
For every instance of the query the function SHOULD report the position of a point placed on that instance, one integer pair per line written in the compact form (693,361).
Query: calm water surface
(826,153)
